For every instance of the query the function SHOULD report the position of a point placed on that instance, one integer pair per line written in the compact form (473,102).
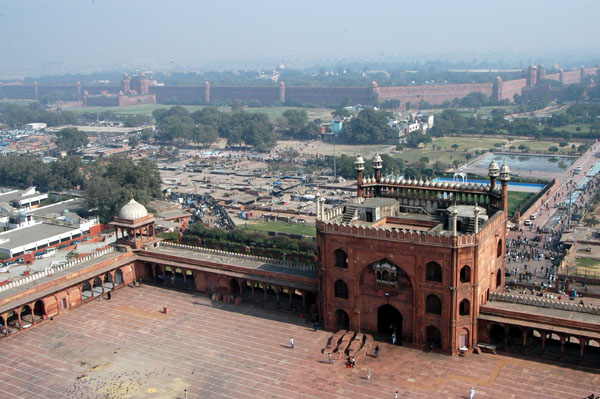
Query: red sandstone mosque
(421,259)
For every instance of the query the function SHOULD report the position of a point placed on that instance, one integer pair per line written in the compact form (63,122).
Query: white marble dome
(132,210)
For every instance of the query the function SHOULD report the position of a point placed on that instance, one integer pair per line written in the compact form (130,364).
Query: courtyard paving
(127,348)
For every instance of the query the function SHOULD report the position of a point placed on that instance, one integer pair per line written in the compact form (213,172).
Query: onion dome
(132,210)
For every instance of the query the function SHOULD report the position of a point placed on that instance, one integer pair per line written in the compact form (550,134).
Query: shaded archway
(118,277)
(463,338)
(464,308)
(465,274)
(389,319)
(179,283)
(39,310)
(433,337)
(108,282)
(433,304)
(86,290)
(190,280)
(26,316)
(342,321)
(149,273)
(497,335)
(499,250)
(97,287)
(498,278)
(341,289)
(340,259)
(235,287)
(433,272)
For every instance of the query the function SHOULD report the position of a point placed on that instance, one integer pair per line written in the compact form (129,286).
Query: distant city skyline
(43,37)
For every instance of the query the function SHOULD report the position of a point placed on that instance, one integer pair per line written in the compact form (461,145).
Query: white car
(527,222)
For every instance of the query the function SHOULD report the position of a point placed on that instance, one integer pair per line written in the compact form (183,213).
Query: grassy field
(321,148)
(282,227)
(586,267)
(515,199)
(272,112)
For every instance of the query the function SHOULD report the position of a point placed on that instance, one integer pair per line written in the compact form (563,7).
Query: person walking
(396,395)
(330,358)
(291,343)
(369,375)
(394,338)
(377,351)
(472,393)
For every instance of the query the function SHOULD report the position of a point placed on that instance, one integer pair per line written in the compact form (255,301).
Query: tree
(553,149)
(455,146)
(133,141)
(70,139)
(205,135)
(370,126)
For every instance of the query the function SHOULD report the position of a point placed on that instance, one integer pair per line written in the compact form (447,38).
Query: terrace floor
(127,348)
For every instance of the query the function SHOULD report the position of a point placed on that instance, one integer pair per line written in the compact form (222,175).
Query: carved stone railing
(209,251)
(544,302)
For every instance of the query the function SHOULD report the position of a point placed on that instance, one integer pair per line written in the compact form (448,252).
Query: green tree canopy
(70,139)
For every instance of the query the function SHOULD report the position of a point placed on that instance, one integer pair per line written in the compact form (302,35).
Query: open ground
(126,348)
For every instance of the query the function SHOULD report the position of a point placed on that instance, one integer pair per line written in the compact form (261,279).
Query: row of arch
(544,343)
(389,320)
(433,270)
(34,313)
(253,291)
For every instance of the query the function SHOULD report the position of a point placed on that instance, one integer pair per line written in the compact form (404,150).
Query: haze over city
(75,36)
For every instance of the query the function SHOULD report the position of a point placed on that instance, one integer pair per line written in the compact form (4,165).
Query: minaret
(494,172)
(377,165)
(281,92)
(504,178)
(476,211)
(207,92)
(359,166)
(454,219)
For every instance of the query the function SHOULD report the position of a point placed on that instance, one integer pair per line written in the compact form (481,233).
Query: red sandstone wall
(553,76)
(512,87)
(328,96)
(103,101)
(435,94)
(591,71)
(17,92)
(97,89)
(570,77)
(136,100)
(266,95)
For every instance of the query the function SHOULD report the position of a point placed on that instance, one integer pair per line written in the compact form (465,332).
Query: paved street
(127,348)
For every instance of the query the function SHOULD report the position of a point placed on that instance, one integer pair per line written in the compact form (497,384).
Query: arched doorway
(97,287)
(433,337)
(26,316)
(178,282)
(118,277)
(190,280)
(389,319)
(342,321)
(235,287)
(149,274)
(39,310)
(497,335)
(86,290)
(108,282)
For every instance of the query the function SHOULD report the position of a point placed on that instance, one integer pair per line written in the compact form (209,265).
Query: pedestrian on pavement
(316,326)
(396,395)
(377,351)
(369,375)
(472,393)
(352,362)
(394,338)
(291,343)
(330,358)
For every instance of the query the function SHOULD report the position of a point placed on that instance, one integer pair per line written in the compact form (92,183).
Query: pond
(520,163)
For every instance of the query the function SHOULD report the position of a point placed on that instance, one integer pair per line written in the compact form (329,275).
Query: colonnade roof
(60,275)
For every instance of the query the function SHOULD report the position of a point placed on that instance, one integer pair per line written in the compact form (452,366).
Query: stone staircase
(471,225)
(349,214)
(344,344)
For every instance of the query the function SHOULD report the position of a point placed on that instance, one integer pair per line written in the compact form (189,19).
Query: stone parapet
(544,303)
(286,264)
(52,270)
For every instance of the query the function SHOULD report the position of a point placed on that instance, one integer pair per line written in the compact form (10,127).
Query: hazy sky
(47,34)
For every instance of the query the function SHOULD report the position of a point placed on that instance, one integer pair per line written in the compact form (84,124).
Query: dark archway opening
(39,310)
(340,258)
(498,278)
(342,321)
(433,304)
(97,287)
(465,274)
(179,279)
(86,290)
(26,316)
(497,335)
(149,275)
(433,337)
(108,282)
(341,289)
(389,320)
(190,281)
(118,277)
(235,288)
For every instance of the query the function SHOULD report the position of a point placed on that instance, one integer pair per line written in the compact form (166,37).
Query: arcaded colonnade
(231,287)
(549,342)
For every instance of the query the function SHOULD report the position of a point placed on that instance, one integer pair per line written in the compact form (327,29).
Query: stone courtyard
(128,348)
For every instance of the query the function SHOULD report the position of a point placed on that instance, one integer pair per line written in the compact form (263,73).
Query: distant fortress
(141,90)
